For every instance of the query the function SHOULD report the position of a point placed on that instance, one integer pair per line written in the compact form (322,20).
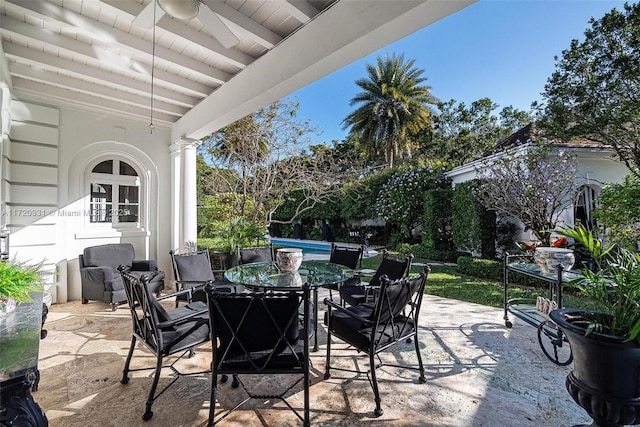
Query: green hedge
(474,227)
(436,226)
(421,251)
(478,267)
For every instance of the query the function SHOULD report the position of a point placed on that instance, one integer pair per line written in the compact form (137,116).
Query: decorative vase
(289,259)
(605,380)
(548,258)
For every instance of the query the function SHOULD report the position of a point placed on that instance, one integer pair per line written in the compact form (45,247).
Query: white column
(176,186)
(188,199)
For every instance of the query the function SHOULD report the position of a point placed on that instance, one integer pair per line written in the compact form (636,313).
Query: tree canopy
(392,106)
(257,161)
(463,133)
(594,90)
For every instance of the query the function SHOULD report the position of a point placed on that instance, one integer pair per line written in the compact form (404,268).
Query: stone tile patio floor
(479,373)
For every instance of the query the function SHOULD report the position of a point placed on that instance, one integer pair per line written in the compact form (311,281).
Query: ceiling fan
(184,10)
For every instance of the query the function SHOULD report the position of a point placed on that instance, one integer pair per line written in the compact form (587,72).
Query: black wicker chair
(260,334)
(162,332)
(376,327)
(357,292)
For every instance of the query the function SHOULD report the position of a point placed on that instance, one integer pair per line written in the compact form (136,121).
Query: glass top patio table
(268,275)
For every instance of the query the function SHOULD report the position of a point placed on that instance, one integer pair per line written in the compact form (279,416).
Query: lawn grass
(444,281)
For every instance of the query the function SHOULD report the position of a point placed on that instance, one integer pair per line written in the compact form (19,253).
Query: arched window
(585,203)
(114,187)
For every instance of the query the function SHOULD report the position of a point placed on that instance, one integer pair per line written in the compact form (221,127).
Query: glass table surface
(267,275)
(532,269)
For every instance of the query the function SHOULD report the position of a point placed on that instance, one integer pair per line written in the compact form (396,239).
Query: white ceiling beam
(349,30)
(132,9)
(83,86)
(301,10)
(96,57)
(77,99)
(5,77)
(243,24)
(105,36)
(107,78)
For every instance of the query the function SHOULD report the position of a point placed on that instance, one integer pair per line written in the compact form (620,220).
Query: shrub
(358,202)
(405,248)
(436,224)
(227,235)
(477,267)
(619,212)
(474,227)
(400,199)
(421,251)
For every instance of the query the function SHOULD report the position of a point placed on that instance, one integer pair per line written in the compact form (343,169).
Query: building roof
(532,133)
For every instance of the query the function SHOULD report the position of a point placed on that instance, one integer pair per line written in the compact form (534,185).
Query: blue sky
(500,49)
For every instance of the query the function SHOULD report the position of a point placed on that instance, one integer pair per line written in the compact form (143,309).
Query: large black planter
(605,380)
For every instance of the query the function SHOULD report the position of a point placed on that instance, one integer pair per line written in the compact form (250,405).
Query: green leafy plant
(18,280)
(474,226)
(228,235)
(401,201)
(618,213)
(613,286)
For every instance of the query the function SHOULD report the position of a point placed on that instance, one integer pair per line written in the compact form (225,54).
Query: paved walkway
(479,373)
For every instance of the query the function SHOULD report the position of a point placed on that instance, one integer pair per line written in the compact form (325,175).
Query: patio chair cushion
(111,255)
(194,267)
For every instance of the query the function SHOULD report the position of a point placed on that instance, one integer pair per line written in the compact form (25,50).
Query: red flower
(561,242)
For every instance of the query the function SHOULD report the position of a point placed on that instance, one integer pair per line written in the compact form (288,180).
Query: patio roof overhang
(90,53)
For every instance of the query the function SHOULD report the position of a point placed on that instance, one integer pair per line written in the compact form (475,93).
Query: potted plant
(21,288)
(17,282)
(605,340)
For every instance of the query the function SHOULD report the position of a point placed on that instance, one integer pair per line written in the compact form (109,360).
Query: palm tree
(392,106)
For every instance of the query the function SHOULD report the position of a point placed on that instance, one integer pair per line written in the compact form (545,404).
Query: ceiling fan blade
(216,27)
(145,17)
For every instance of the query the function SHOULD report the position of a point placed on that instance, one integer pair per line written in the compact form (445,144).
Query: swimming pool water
(307,246)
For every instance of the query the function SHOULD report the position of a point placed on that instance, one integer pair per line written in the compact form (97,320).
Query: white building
(597,166)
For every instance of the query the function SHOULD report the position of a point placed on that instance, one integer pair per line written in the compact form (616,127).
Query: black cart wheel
(554,343)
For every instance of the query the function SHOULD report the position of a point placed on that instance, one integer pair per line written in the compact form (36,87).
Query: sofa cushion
(111,255)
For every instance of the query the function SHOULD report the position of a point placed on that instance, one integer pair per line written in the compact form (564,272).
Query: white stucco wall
(84,137)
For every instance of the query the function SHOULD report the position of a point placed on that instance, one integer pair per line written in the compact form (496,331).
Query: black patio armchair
(258,333)
(162,332)
(192,270)
(356,291)
(348,256)
(255,254)
(376,327)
